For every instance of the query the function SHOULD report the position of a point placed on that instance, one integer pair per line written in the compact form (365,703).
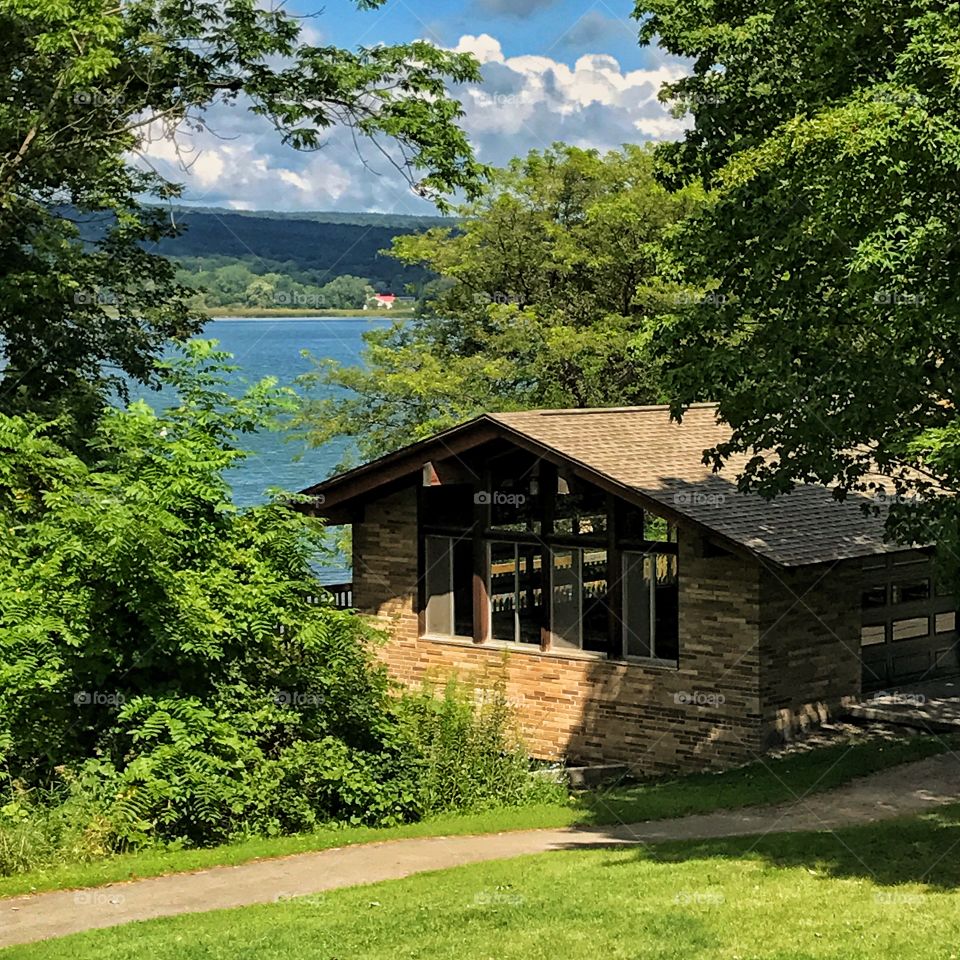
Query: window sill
(653,663)
(532,649)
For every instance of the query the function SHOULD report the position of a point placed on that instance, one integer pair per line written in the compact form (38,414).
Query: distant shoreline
(252,313)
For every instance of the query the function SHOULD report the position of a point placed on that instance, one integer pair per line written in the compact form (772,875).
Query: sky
(569,70)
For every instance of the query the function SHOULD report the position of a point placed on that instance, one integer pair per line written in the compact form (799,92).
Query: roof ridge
(588,411)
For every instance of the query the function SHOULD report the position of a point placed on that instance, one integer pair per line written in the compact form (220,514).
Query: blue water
(270,347)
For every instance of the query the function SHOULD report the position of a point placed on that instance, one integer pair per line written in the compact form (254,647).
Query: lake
(270,347)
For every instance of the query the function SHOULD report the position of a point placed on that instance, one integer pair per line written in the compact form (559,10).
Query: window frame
(651,606)
(623,521)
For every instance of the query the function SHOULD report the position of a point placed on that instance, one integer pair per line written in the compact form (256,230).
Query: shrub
(470,754)
(40,828)
(167,674)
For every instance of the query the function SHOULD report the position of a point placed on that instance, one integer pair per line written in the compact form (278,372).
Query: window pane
(580,509)
(873,597)
(946,622)
(514,494)
(438,576)
(656,528)
(636,604)
(911,590)
(503,591)
(463,587)
(911,628)
(530,613)
(596,618)
(666,608)
(565,605)
(448,505)
(870,636)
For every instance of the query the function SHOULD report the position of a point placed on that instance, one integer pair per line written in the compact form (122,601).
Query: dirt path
(908,789)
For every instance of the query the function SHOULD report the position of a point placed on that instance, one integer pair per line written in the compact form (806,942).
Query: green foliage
(170,670)
(828,136)
(85,85)
(236,284)
(473,758)
(548,288)
(41,828)
(310,248)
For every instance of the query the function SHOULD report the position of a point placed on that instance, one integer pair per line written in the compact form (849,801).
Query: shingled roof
(641,450)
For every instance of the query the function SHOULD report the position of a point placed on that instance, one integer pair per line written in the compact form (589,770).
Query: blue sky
(568,70)
(560,29)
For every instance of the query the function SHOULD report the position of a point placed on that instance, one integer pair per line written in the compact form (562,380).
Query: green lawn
(882,891)
(764,782)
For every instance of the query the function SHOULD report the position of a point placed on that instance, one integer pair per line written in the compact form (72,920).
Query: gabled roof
(646,457)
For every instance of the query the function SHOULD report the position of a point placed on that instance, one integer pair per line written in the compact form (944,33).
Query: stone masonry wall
(809,646)
(704,714)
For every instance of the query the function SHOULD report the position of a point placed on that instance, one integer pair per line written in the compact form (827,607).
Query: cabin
(381,301)
(638,607)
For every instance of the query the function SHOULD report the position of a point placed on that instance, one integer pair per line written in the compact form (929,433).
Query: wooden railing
(342,594)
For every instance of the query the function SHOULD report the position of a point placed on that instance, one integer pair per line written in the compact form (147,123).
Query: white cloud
(535,100)
(524,102)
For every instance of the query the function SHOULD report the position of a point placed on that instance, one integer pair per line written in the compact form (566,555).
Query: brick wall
(809,645)
(704,714)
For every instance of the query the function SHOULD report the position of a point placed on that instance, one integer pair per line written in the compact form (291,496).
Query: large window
(448,576)
(516,575)
(650,622)
(551,562)
(579,613)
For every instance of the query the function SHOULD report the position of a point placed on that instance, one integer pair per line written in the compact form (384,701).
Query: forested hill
(322,245)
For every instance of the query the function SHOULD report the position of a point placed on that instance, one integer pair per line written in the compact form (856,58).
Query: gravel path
(908,789)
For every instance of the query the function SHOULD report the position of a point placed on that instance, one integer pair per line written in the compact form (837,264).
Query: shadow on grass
(916,850)
(762,783)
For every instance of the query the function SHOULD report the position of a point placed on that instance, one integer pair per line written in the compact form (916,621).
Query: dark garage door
(909,630)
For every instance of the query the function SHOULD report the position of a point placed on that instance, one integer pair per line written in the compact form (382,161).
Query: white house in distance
(380,301)
(387,301)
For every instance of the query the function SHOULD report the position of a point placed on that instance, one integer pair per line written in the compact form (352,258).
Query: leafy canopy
(829,135)
(545,297)
(169,664)
(85,88)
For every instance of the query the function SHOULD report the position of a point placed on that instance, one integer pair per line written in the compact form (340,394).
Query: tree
(828,136)
(537,303)
(346,292)
(169,667)
(86,85)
